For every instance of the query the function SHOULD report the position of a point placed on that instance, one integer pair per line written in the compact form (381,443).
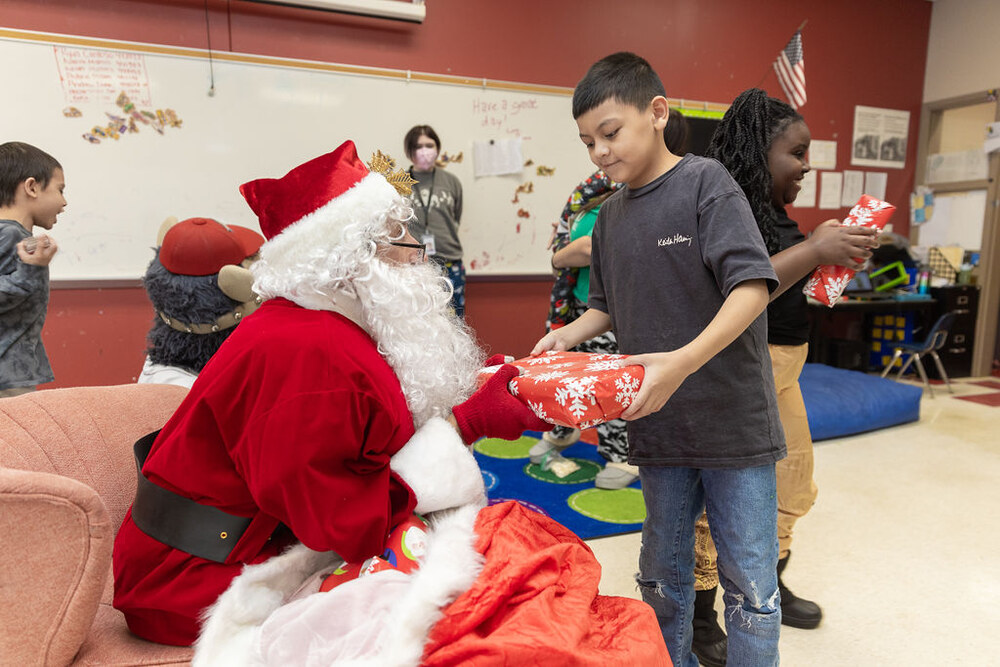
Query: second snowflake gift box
(577,389)
(827,283)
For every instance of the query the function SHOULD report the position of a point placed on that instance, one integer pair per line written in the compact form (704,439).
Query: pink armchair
(67,477)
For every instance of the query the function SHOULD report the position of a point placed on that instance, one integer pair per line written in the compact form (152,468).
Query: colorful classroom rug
(572,500)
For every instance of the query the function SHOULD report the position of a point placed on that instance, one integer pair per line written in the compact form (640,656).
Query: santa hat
(202,246)
(314,202)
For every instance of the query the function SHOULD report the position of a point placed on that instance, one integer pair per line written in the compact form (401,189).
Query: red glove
(493,412)
(495,360)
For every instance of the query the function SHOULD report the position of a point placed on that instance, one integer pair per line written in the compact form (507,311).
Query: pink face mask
(423,158)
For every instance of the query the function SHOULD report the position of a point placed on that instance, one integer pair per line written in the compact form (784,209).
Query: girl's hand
(574,255)
(843,245)
(664,373)
(552,236)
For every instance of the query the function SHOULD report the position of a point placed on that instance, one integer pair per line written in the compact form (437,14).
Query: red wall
(857,52)
(97,336)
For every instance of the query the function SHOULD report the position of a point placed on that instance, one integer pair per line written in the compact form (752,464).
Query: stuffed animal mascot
(200,286)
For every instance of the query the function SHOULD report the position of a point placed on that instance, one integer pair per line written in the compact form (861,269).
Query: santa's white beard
(403,306)
(431,350)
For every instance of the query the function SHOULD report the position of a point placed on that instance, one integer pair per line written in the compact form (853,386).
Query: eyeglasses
(419,247)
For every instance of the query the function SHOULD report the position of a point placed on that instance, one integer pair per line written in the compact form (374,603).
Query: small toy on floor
(559,465)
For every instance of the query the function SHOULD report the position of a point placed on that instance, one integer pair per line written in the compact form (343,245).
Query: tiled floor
(902,549)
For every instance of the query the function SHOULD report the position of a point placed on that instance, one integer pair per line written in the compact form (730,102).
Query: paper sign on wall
(880,137)
(831,183)
(823,155)
(854,186)
(497,157)
(875,182)
(955,166)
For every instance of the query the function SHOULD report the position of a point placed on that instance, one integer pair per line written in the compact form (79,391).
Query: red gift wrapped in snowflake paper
(578,389)
(827,283)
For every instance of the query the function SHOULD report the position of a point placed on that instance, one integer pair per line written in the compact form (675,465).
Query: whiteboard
(266,116)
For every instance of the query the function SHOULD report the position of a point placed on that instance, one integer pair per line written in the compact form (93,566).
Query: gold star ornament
(384,165)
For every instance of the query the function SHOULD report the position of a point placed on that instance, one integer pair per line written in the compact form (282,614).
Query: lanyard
(430,197)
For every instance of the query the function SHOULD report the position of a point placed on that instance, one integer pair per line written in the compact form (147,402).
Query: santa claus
(344,404)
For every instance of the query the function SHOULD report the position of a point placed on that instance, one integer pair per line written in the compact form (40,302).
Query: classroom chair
(934,341)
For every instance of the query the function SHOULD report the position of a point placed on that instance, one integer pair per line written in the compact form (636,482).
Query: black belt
(200,530)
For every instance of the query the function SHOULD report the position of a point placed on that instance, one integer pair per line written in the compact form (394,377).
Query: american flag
(790,67)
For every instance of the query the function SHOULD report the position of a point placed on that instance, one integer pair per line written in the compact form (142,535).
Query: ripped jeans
(742,509)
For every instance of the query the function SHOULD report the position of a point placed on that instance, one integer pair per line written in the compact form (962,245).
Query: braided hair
(741,142)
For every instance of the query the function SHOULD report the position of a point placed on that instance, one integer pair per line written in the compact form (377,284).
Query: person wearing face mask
(437,202)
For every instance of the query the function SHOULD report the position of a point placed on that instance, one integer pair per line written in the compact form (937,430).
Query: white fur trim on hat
(365,203)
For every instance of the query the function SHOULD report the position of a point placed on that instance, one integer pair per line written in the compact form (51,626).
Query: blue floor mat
(572,501)
(841,402)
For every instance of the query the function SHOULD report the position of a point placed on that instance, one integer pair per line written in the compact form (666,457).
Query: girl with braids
(763,143)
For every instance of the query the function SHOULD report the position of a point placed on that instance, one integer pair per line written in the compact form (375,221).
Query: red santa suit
(292,422)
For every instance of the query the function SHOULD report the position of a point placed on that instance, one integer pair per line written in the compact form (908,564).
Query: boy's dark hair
(622,76)
(18,163)
(741,142)
(417,131)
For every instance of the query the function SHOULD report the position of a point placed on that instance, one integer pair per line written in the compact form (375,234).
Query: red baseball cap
(202,246)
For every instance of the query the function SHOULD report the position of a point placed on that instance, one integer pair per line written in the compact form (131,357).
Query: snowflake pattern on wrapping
(547,377)
(605,365)
(576,395)
(628,387)
(539,410)
(567,364)
(545,358)
(827,283)
(860,216)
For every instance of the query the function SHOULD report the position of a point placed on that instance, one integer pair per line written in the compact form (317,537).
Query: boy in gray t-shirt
(31,195)
(680,272)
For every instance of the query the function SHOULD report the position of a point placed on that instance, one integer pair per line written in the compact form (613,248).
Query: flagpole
(771,69)
(766,72)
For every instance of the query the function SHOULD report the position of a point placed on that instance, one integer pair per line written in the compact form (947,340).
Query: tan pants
(796,489)
(16,391)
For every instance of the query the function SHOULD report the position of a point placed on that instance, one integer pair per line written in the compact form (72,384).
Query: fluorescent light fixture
(397,10)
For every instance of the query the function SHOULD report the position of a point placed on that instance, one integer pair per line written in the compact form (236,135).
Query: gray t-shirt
(24,300)
(665,256)
(437,202)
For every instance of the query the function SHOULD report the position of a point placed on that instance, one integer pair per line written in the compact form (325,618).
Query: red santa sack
(576,389)
(827,283)
(536,603)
